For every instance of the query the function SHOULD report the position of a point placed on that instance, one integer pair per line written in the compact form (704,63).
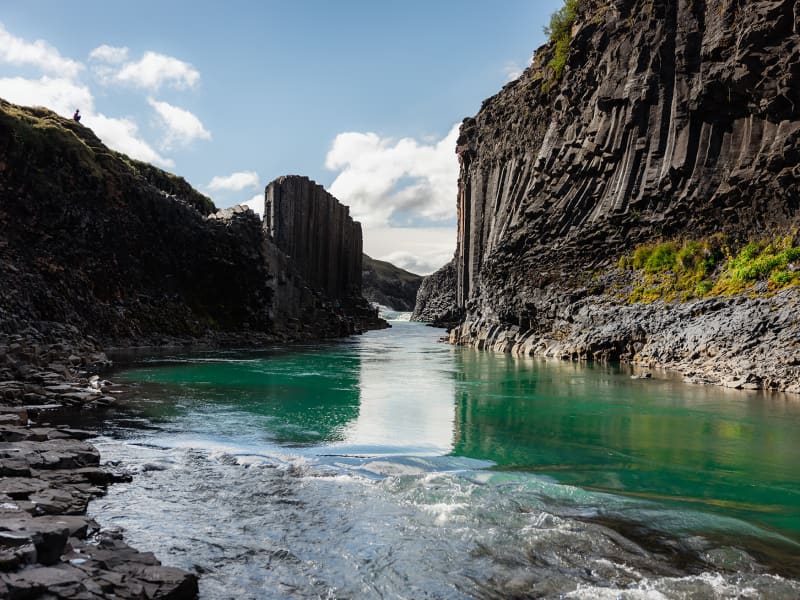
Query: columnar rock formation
(309,225)
(671,118)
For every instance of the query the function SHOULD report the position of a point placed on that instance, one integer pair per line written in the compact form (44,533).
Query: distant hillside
(388,285)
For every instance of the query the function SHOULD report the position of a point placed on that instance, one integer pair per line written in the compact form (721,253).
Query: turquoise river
(390,465)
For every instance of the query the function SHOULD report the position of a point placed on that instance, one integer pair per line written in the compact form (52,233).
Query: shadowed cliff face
(671,117)
(91,240)
(130,254)
(436,298)
(317,232)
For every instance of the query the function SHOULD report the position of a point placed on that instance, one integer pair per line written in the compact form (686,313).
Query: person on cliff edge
(77,116)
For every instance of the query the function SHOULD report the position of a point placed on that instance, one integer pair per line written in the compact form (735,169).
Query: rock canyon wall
(309,225)
(126,253)
(671,119)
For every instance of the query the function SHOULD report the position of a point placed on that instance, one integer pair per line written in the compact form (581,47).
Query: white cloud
(256,204)
(182,126)
(123,135)
(235,181)
(40,54)
(64,96)
(380,178)
(513,70)
(60,95)
(420,250)
(154,70)
(109,54)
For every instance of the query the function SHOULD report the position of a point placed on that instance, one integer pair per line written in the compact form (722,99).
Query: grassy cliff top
(38,131)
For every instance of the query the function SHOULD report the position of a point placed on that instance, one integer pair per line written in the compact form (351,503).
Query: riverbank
(50,372)
(50,473)
(743,342)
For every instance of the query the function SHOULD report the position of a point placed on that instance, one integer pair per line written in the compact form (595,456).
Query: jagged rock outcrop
(388,285)
(436,298)
(672,118)
(314,248)
(309,225)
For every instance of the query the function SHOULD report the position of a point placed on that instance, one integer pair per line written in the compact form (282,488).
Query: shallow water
(391,466)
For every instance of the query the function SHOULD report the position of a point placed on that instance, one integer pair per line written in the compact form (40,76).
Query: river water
(389,465)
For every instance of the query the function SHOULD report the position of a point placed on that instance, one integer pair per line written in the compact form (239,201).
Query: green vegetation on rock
(560,32)
(714,266)
(777,261)
(67,148)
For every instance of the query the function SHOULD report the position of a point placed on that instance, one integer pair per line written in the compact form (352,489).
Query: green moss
(661,259)
(774,261)
(57,142)
(673,270)
(559,31)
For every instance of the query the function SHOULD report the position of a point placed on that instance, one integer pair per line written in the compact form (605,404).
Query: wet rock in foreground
(48,547)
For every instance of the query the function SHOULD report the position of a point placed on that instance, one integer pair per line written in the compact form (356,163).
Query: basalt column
(671,118)
(316,231)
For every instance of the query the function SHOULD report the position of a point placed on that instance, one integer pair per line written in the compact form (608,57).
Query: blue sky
(361,96)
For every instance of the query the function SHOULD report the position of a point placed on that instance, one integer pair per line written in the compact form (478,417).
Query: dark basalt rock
(314,249)
(436,298)
(671,119)
(316,231)
(130,255)
(48,547)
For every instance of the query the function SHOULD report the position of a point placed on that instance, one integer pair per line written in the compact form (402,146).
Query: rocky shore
(49,548)
(744,342)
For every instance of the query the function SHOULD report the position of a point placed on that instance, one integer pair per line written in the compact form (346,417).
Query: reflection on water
(715,449)
(298,397)
(389,465)
(405,399)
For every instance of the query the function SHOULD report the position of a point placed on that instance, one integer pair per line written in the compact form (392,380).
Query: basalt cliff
(654,129)
(126,253)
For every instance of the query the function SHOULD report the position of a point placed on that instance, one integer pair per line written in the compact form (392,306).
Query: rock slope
(97,249)
(672,118)
(436,298)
